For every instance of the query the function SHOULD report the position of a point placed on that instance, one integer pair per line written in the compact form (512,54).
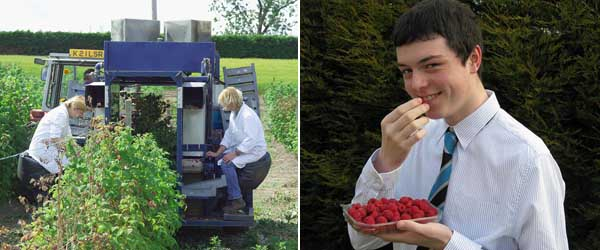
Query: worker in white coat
(51,133)
(243,143)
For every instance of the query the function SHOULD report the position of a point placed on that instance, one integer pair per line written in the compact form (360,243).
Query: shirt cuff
(388,179)
(460,242)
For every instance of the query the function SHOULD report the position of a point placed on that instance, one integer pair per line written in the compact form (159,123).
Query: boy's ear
(474,60)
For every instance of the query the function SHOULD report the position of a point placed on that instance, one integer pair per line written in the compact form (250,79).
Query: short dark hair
(447,18)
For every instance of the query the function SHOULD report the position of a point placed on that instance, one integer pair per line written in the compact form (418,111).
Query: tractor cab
(63,76)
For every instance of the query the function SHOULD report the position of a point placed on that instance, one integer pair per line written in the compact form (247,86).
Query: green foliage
(231,46)
(42,43)
(281,103)
(18,95)
(540,57)
(215,244)
(269,16)
(259,247)
(349,83)
(153,117)
(261,46)
(117,193)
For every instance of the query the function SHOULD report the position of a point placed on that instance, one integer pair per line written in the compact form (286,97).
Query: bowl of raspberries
(381,215)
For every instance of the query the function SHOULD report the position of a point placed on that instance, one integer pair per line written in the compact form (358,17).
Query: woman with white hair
(243,144)
(43,156)
(52,130)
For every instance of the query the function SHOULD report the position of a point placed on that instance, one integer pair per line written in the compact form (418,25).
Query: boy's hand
(400,130)
(432,235)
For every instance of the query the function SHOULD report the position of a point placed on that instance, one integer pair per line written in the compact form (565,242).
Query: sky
(95,16)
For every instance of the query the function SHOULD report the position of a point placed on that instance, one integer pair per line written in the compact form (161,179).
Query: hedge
(229,46)
(236,46)
(540,57)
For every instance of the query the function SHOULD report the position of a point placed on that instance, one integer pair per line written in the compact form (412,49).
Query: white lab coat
(245,133)
(55,124)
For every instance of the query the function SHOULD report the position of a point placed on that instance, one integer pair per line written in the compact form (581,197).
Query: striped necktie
(437,196)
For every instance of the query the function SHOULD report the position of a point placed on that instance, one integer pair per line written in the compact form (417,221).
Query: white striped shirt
(505,191)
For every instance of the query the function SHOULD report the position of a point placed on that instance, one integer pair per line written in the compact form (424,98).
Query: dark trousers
(252,175)
(28,169)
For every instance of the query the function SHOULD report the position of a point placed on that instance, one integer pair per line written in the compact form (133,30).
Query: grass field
(268,71)
(25,62)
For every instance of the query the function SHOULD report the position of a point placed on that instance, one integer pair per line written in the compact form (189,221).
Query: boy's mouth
(428,98)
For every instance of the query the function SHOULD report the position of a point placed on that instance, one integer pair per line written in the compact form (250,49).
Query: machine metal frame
(171,64)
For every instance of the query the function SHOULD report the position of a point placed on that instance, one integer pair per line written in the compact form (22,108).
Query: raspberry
(414,209)
(405,199)
(392,206)
(405,216)
(352,210)
(374,214)
(371,208)
(401,208)
(422,204)
(388,214)
(362,211)
(356,215)
(418,214)
(369,220)
(433,211)
(381,219)
(416,202)
(430,212)
(391,209)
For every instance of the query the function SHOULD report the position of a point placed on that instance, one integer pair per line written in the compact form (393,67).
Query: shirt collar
(469,127)
(235,113)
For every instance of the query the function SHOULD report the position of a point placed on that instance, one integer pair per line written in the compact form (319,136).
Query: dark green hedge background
(542,58)
(229,46)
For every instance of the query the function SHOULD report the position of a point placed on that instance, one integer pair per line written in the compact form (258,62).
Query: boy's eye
(431,65)
(405,71)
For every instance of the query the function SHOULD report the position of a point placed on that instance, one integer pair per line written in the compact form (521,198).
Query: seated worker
(243,143)
(48,138)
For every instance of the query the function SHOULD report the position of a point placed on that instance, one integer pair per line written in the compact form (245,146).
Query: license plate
(86,53)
